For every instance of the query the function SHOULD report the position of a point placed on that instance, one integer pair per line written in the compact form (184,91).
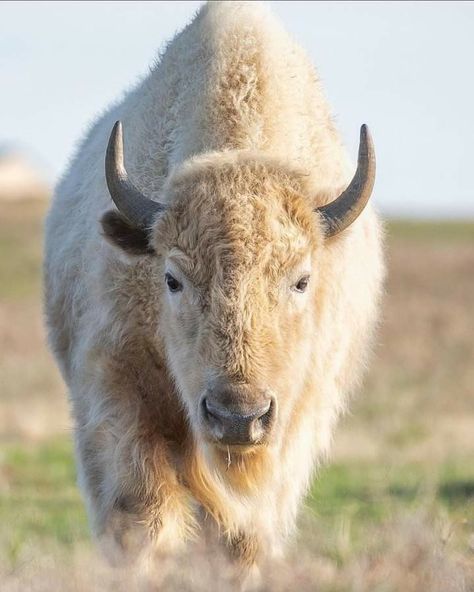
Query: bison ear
(121,233)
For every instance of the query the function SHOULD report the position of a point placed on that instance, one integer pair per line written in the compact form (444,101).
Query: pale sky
(405,68)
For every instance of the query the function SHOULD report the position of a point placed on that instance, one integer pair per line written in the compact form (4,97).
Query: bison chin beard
(243,468)
(218,478)
(223,486)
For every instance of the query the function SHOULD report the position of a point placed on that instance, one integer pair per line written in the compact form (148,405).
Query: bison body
(209,352)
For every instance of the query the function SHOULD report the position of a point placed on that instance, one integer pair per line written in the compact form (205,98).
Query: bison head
(236,252)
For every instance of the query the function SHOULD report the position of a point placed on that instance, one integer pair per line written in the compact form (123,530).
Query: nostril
(270,412)
(212,419)
(263,422)
(209,410)
(205,409)
(264,410)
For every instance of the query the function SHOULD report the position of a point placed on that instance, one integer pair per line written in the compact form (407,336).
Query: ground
(392,510)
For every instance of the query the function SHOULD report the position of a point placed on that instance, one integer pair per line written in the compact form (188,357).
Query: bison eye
(301,284)
(172,283)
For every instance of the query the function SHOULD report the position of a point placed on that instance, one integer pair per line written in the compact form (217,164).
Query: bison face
(236,252)
(237,249)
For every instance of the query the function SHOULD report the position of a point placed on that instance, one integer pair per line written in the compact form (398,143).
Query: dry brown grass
(30,385)
(406,555)
(418,401)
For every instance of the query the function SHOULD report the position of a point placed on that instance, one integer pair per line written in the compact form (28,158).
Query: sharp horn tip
(117,130)
(365,132)
(116,138)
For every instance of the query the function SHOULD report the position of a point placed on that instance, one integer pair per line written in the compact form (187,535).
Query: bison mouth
(238,449)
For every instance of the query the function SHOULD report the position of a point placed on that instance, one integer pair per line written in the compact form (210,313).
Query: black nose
(232,425)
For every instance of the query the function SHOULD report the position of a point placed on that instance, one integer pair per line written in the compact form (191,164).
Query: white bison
(211,289)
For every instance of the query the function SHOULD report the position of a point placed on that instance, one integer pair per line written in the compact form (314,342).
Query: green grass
(41,505)
(376,491)
(352,504)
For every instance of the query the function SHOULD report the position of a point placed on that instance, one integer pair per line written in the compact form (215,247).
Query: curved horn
(341,212)
(136,207)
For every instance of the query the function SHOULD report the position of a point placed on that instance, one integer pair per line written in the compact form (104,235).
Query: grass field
(394,510)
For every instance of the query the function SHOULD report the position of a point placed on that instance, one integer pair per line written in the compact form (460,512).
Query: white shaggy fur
(231,85)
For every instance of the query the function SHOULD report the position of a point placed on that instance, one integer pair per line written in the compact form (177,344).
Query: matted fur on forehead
(237,209)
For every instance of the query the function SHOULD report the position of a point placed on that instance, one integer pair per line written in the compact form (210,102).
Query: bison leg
(243,548)
(134,499)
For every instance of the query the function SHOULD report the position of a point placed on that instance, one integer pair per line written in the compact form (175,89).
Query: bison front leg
(135,502)
(243,548)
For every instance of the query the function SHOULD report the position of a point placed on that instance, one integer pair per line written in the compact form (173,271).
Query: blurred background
(394,509)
